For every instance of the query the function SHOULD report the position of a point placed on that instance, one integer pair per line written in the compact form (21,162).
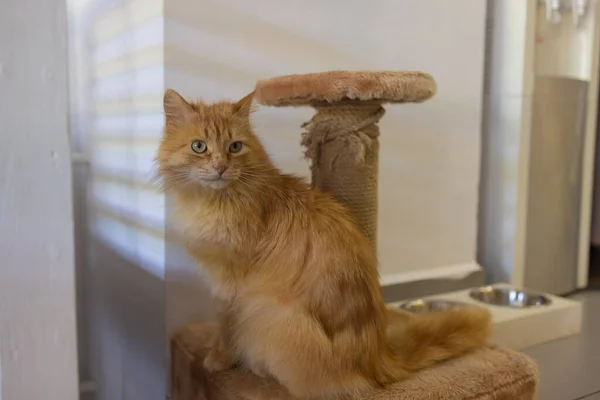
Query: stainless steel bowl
(424,306)
(509,297)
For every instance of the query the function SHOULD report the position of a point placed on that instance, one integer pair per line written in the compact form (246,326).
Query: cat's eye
(236,147)
(198,146)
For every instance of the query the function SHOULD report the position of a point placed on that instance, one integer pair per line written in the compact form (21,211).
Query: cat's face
(208,145)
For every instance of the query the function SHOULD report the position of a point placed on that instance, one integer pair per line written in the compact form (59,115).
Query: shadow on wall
(126,327)
(116,119)
(129,274)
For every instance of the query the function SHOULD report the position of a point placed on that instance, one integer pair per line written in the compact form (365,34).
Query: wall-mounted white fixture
(579,9)
(553,11)
(556,8)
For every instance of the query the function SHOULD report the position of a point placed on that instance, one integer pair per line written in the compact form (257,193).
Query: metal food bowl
(424,306)
(509,297)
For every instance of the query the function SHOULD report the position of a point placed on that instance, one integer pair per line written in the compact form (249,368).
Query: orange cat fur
(298,280)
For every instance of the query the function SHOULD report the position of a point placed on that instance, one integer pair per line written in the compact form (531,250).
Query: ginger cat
(298,281)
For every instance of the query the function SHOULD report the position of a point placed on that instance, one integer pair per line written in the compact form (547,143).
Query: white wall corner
(507,108)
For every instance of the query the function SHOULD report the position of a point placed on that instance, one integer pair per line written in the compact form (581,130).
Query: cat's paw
(217,360)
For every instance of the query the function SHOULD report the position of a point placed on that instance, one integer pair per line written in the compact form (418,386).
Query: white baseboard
(431,281)
(454,272)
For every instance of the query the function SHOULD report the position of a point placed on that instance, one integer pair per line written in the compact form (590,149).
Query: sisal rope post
(343,147)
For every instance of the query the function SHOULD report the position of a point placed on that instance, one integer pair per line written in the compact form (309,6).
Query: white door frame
(589,153)
(38,343)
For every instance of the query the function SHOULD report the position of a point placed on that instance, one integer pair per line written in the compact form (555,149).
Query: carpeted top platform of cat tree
(488,374)
(335,87)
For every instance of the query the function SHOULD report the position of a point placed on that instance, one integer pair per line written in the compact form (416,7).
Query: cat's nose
(220,168)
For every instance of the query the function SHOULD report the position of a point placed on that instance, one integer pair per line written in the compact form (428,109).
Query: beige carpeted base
(489,374)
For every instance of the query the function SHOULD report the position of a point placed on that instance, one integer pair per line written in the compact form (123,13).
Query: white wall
(37,288)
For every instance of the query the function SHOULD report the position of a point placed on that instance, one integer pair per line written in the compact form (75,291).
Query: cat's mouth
(215,182)
(214,179)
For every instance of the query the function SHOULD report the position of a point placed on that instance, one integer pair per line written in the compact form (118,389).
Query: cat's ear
(177,110)
(244,106)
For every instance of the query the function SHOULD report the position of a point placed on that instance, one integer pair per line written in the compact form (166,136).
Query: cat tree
(341,141)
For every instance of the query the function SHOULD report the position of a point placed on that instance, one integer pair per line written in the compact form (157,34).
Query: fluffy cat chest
(206,226)
(208,230)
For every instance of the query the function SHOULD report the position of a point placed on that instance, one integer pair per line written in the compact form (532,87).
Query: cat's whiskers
(264,167)
(250,186)
(256,180)
(174,179)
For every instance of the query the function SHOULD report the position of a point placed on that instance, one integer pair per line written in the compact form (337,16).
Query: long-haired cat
(297,279)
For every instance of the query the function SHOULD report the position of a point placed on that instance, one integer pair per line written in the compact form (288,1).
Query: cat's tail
(420,340)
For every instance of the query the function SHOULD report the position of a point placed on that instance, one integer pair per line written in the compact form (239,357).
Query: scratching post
(350,174)
(341,140)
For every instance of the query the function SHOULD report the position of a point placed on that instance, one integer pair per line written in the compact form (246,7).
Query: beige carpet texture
(494,373)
